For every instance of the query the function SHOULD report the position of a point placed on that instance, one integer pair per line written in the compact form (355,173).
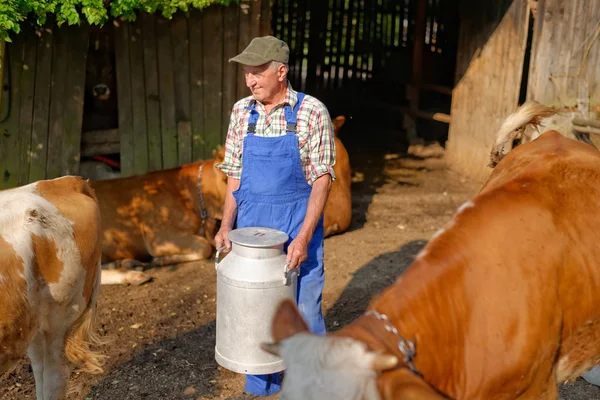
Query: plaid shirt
(314,131)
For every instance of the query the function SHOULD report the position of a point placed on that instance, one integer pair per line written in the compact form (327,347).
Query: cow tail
(82,336)
(531,113)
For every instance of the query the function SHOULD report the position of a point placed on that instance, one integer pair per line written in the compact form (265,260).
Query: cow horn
(272,348)
(384,361)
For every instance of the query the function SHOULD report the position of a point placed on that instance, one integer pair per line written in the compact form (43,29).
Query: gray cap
(262,50)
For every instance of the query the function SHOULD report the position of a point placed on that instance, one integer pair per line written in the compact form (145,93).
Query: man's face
(264,81)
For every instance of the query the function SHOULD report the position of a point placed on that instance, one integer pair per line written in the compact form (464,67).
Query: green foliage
(95,12)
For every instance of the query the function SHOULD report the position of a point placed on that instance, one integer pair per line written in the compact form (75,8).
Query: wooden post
(2,57)
(414,88)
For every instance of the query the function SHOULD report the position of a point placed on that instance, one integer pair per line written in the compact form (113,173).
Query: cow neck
(419,327)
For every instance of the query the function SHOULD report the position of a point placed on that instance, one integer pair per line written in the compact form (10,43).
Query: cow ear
(287,321)
(338,122)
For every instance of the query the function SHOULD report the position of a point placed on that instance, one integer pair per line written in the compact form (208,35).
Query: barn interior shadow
(368,143)
(369,280)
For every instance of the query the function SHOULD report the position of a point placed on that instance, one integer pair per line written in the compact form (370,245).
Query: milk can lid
(258,237)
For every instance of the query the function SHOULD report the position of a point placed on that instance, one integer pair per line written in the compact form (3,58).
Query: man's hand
(297,251)
(221,238)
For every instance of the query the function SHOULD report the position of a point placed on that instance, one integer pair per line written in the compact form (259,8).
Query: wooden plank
(213,75)
(41,105)
(196,83)
(121,32)
(265,18)
(255,11)
(76,60)
(350,34)
(568,30)
(475,116)
(9,124)
(99,149)
(2,69)
(57,101)
(27,95)
(181,80)
(168,125)
(245,36)
(102,136)
(230,78)
(152,93)
(138,99)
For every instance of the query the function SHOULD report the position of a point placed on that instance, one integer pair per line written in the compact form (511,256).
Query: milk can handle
(219,251)
(286,271)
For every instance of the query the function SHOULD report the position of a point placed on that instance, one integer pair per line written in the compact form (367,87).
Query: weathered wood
(2,61)
(138,99)
(168,125)
(124,70)
(565,51)
(60,77)
(181,80)
(75,87)
(10,156)
(184,135)
(476,115)
(230,71)
(102,136)
(197,85)
(245,36)
(213,77)
(152,94)
(41,106)
(265,18)
(27,94)
(99,149)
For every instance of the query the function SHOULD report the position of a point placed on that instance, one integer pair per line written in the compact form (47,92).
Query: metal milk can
(251,281)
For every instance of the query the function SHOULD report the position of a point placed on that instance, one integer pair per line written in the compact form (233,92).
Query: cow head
(323,367)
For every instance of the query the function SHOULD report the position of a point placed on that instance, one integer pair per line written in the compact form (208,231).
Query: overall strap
(253,118)
(291,115)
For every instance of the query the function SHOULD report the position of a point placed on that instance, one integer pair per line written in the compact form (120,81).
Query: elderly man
(279,157)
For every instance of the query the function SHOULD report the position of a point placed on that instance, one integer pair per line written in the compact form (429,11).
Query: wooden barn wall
(42,107)
(489,88)
(564,71)
(175,86)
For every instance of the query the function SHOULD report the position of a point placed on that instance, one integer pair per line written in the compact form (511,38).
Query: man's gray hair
(276,64)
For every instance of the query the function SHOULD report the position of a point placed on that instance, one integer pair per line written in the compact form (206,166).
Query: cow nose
(100,89)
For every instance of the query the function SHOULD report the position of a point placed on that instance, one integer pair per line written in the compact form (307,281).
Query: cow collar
(406,347)
(203,211)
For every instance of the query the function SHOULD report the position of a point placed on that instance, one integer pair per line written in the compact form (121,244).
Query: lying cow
(338,209)
(50,247)
(160,218)
(501,304)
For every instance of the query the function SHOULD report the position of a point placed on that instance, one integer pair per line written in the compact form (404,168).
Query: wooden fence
(175,86)
(175,91)
(42,102)
(364,49)
(560,70)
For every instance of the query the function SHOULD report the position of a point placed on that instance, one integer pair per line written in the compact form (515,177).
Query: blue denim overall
(273,193)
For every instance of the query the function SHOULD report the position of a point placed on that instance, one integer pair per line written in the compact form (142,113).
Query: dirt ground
(162,334)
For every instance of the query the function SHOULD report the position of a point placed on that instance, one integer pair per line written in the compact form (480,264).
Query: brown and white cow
(501,304)
(338,209)
(50,247)
(159,218)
